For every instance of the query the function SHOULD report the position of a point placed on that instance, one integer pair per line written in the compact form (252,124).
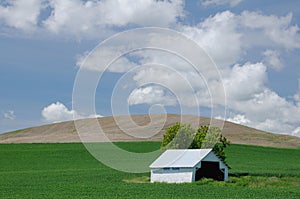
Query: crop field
(69,171)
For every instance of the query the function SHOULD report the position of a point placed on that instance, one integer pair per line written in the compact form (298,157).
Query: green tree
(199,137)
(170,134)
(183,136)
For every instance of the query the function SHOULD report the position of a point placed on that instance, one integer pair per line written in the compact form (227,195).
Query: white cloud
(269,104)
(10,115)
(226,37)
(218,34)
(296,132)
(270,112)
(97,59)
(74,17)
(245,81)
(232,3)
(185,83)
(239,119)
(297,95)
(246,85)
(269,30)
(151,95)
(141,12)
(102,16)
(272,58)
(251,103)
(21,14)
(88,19)
(58,112)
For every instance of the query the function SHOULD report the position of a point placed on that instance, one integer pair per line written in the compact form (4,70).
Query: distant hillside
(66,131)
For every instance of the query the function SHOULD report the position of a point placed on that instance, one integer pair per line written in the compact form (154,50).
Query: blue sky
(255,45)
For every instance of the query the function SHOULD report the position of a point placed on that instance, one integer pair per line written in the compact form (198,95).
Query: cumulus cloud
(246,85)
(21,14)
(151,95)
(270,30)
(58,112)
(86,19)
(245,81)
(296,132)
(272,58)
(268,111)
(297,95)
(9,115)
(105,17)
(239,119)
(225,36)
(184,82)
(250,102)
(97,59)
(232,3)
(218,34)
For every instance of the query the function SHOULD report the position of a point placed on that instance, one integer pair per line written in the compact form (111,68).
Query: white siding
(211,157)
(226,174)
(172,176)
(177,166)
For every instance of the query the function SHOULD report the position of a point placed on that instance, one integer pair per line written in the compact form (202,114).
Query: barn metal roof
(180,158)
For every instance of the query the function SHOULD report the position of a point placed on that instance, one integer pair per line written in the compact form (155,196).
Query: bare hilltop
(140,128)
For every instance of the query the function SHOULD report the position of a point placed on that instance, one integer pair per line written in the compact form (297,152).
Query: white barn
(188,165)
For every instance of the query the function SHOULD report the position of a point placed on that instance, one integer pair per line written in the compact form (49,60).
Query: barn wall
(211,157)
(226,174)
(172,176)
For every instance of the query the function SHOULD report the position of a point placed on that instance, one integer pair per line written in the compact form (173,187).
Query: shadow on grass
(138,179)
(255,181)
(237,180)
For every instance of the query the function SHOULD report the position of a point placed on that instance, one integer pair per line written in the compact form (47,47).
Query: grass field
(68,171)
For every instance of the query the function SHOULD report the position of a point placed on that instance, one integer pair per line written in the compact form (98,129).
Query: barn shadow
(209,170)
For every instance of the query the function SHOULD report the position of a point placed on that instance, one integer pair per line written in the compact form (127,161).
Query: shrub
(183,136)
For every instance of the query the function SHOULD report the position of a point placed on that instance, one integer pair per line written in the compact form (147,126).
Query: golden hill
(140,128)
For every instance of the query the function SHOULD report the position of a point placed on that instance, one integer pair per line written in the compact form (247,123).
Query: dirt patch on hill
(140,128)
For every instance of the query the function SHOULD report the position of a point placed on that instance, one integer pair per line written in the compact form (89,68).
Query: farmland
(68,171)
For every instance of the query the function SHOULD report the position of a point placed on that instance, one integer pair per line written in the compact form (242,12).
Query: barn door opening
(209,170)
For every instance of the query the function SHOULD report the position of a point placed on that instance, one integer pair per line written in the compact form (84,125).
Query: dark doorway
(209,170)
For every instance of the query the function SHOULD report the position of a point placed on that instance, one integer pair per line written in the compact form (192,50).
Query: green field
(68,171)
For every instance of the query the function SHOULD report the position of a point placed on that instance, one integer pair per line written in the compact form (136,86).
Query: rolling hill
(140,128)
